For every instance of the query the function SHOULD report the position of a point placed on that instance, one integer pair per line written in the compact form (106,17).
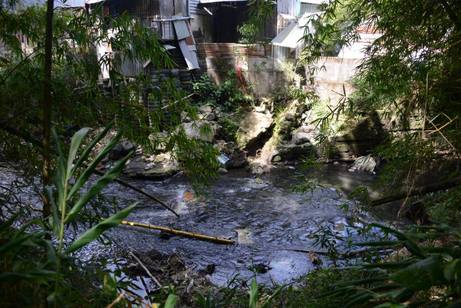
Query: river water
(262,214)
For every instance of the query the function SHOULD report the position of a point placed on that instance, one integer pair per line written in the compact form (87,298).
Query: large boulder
(304,134)
(121,150)
(360,137)
(207,113)
(255,128)
(152,167)
(201,130)
(290,151)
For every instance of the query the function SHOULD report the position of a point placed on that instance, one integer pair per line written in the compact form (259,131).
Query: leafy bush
(227,95)
(228,129)
(260,11)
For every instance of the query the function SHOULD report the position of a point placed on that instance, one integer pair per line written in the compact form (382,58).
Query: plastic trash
(223,159)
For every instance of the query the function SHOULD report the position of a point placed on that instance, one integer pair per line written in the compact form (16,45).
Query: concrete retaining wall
(257,65)
(254,62)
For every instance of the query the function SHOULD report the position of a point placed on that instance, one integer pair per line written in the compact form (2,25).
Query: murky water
(265,217)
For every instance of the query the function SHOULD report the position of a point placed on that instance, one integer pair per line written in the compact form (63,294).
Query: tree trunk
(435,187)
(47,104)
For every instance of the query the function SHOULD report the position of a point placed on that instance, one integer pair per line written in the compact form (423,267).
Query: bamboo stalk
(197,236)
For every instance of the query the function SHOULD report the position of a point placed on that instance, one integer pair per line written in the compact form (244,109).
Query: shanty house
(168,18)
(218,21)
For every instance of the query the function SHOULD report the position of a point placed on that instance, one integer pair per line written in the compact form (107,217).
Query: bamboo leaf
(75,143)
(102,182)
(362,297)
(33,275)
(86,152)
(171,301)
(90,169)
(55,222)
(452,270)
(254,294)
(17,242)
(421,275)
(388,265)
(93,233)
(7,224)
(60,177)
(406,241)
(360,281)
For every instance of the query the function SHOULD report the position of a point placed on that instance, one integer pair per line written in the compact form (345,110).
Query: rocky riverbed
(268,221)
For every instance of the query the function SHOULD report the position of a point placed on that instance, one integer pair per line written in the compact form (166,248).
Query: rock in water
(154,167)
(252,128)
(121,150)
(365,163)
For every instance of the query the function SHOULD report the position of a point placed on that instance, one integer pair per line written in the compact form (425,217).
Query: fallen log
(418,191)
(197,236)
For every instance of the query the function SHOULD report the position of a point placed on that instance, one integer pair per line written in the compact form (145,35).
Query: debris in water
(223,159)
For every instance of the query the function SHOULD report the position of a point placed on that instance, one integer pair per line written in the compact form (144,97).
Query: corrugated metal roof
(193,6)
(315,1)
(292,35)
(216,1)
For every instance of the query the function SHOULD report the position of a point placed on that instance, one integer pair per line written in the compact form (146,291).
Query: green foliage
(305,184)
(409,74)
(30,260)
(171,301)
(79,97)
(198,159)
(428,265)
(407,158)
(259,13)
(254,294)
(306,292)
(146,112)
(282,96)
(229,128)
(361,194)
(227,95)
(326,237)
(443,207)
(96,231)
(65,192)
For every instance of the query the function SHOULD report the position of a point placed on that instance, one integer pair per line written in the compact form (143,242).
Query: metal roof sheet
(217,1)
(292,35)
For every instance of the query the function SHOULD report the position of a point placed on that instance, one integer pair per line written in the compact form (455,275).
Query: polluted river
(273,227)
